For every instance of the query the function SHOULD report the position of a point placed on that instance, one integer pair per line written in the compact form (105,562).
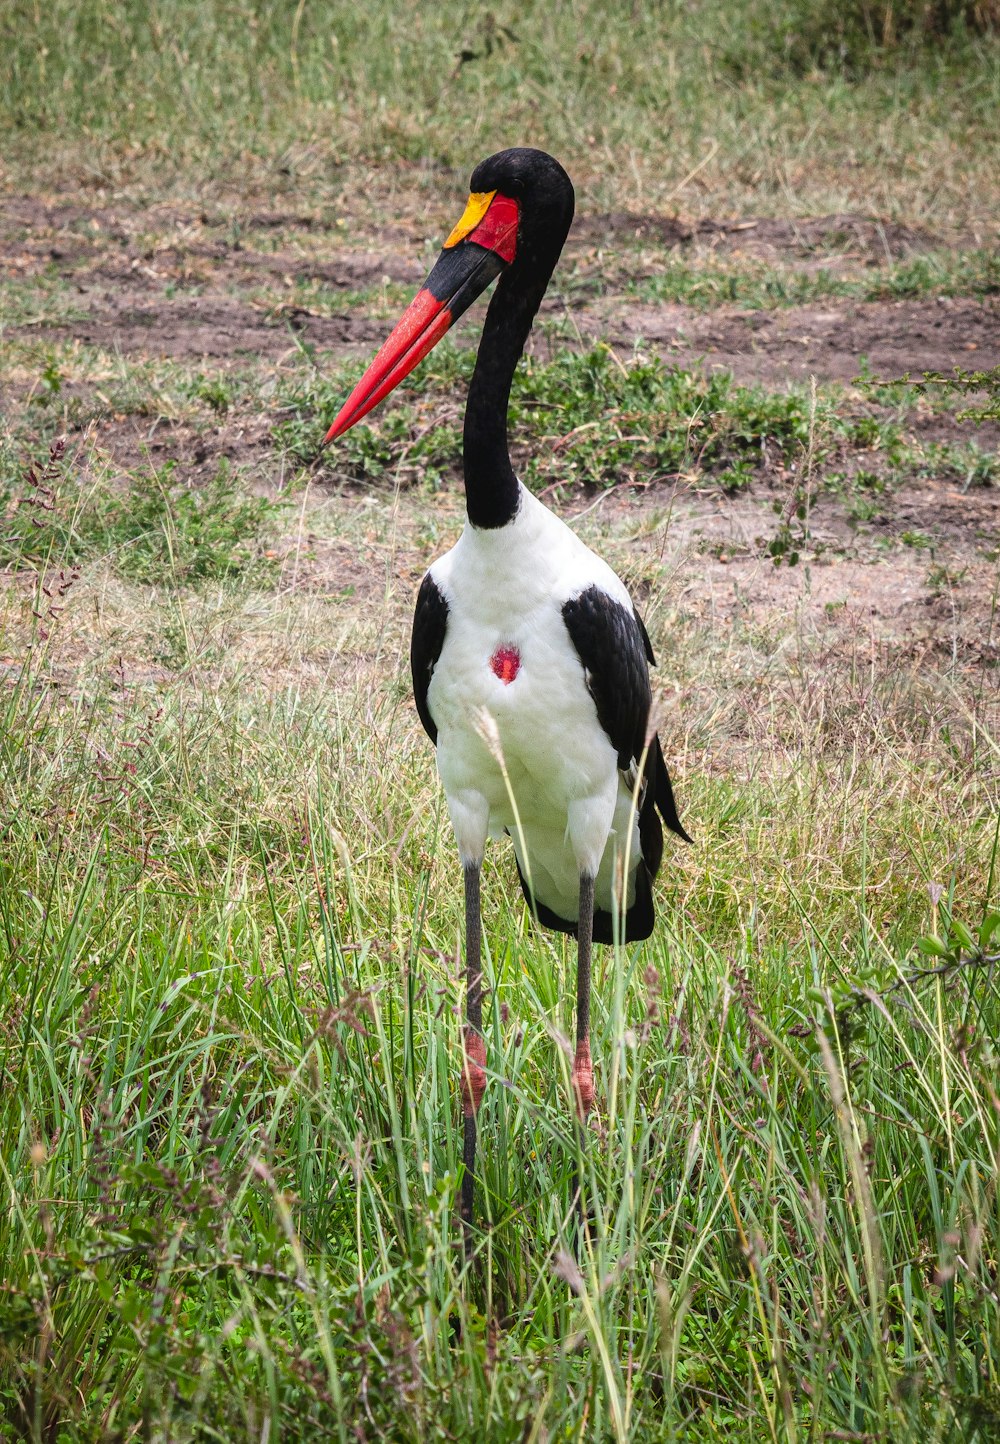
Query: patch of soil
(130,441)
(115,242)
(863,238)
(122,263)
(859,608)
(962,523)
(771,347)
(827,341)
(950,525)
(212,327)
(337,570)
(855,589)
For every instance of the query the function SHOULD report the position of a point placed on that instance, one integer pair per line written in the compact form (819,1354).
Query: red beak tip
(421,326)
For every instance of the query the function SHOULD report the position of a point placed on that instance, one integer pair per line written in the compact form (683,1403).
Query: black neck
(491,488)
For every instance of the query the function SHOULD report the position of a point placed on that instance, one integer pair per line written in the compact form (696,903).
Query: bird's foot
(583,1080)
(473,1072)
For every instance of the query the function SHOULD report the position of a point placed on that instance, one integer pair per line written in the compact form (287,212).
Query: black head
(544,193)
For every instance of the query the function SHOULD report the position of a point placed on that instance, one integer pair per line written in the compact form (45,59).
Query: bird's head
(516,219)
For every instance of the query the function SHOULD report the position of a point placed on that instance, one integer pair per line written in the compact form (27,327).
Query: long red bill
(418,331)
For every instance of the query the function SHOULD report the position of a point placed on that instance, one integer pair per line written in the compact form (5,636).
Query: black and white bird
(529,661)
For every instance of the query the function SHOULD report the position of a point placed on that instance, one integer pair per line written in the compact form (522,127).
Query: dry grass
(230,932)
(236,1022)
(702,109)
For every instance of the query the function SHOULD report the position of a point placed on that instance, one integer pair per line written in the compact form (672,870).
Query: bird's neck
(491,488)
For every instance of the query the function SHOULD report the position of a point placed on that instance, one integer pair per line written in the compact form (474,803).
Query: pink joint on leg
(473,1072)
(583,1079)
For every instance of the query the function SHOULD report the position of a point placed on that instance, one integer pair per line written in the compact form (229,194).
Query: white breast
(530,756)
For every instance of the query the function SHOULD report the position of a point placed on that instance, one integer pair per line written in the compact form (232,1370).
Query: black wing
(614,647)
(638,920)
(430,622)
(646,643)
(656,768)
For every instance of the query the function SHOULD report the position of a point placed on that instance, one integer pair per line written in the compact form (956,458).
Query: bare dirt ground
(919,573)
(827,341)
(122,272)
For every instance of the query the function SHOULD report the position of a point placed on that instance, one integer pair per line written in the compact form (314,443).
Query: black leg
(583,1068)
(583,1071)
(474,1046)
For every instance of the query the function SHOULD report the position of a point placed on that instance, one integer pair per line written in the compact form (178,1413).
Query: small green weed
(942,579)
(864,493)
(217,391)
(160,528)
(584,418)
(918,540)
(960,383)
(50,383)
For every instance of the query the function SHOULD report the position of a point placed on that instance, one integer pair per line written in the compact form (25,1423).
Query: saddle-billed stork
(530,664)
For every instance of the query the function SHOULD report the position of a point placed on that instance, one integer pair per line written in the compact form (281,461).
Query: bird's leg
(474,1046)
(583,1069)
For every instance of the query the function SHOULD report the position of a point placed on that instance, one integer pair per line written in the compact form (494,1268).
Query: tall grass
(230,941)
(230,936)
(645,102)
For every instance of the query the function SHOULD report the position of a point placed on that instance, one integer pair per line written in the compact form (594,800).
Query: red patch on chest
(506,663)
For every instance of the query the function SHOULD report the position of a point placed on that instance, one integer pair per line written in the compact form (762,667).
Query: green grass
(645,103)
(760,287)
(588,418)
(158,528)
(229,927)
